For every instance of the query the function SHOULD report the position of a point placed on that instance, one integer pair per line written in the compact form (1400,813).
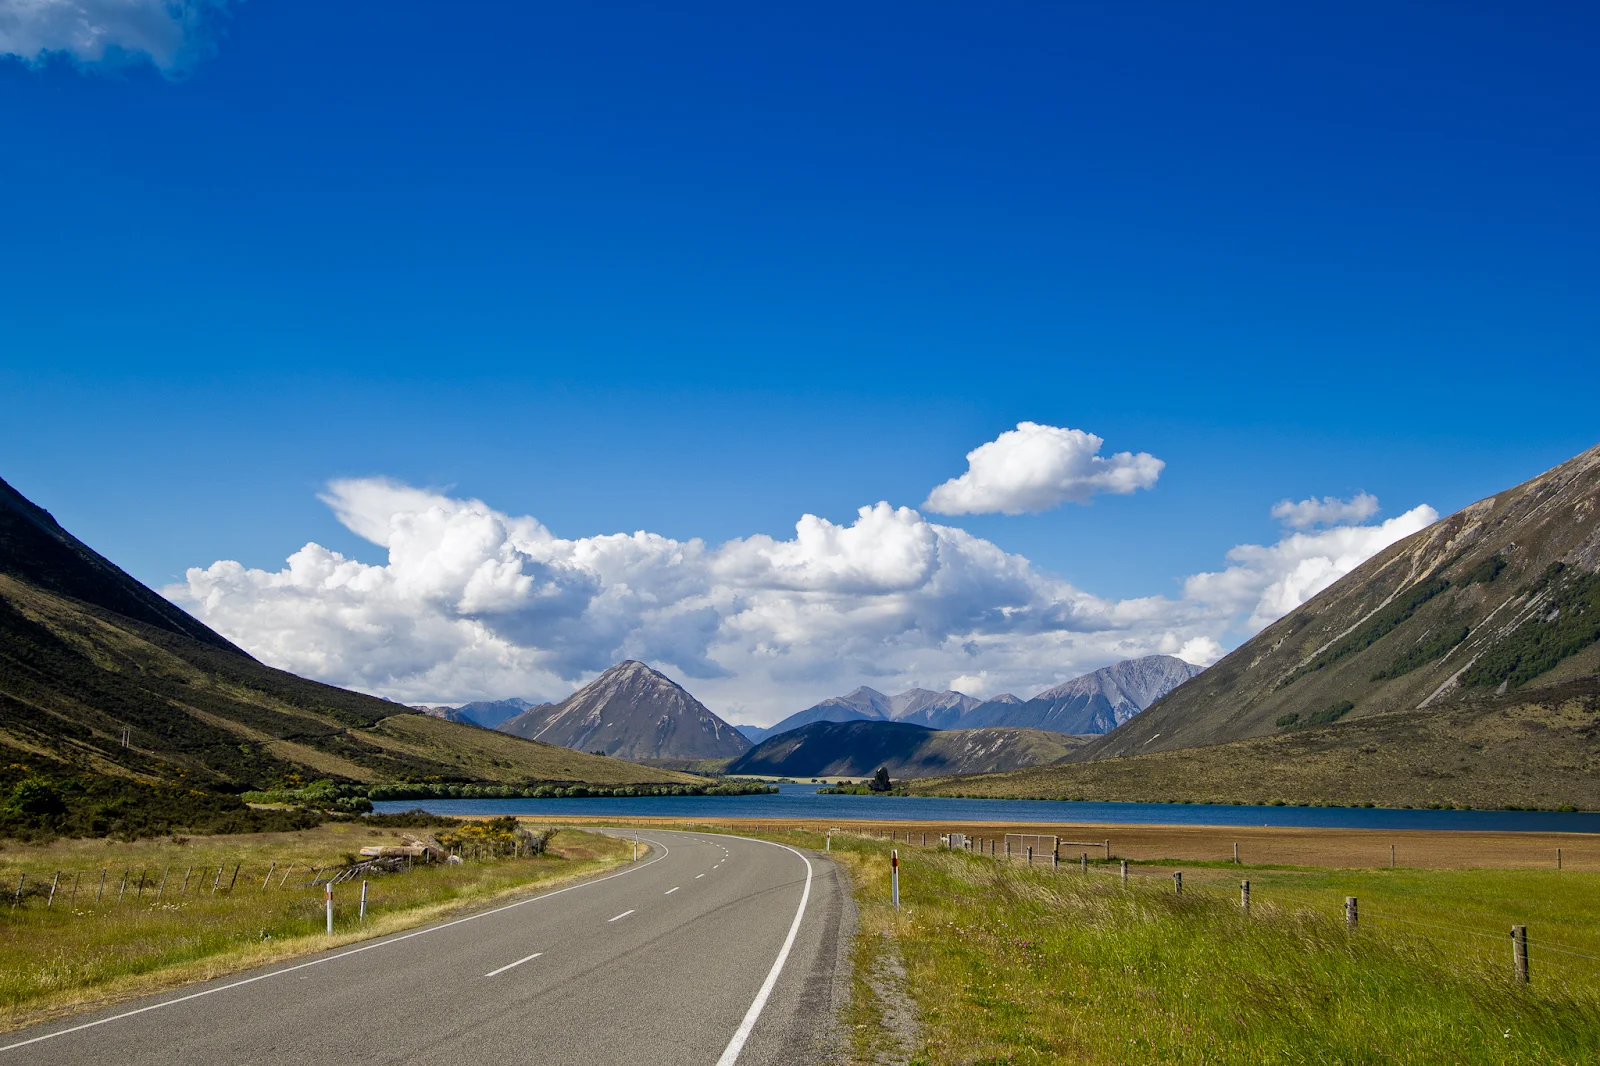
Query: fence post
(330,907)
(1244,896)
(188,871)
(1008,847)
(287,871)
(894,876)
(1108,851)
(1519,951)
(73,902)
(164,871)
(1558,858)
(102,888)
(1055,858)
(1124,872)
(1350,918)
(122,887)
(235,878)
(217,880)
(1236,853)
(1391,856)
(1084,862)
(50,901)
(1177,882)
(268,879)
(16,899)
(1030,854)
(363,901)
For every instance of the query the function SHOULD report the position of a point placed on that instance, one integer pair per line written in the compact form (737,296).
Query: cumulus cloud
(472,603)
(1330,510)
(165,32)
(1036,467)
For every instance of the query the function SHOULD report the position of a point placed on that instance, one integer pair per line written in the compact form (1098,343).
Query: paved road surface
(662,963)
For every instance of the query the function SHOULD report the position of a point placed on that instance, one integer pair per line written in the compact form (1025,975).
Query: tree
(880,781)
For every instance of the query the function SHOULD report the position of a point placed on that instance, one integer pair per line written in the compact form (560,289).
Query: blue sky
(701,272)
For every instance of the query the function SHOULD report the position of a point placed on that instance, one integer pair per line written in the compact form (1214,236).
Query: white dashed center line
(698,876)
(619,917)
(511,965)
(670,891)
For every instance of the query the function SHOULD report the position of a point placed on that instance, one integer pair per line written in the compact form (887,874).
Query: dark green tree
(880,781)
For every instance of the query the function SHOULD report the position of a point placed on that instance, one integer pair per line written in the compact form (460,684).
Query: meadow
(175,910)
(1011,964)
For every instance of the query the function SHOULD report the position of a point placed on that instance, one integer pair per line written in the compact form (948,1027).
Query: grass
(79,950)
(1008,964)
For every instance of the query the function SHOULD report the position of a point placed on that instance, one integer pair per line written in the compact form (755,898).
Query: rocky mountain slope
(631,712)
(1501,595)
(857,749)
(101,676)
(1092,703)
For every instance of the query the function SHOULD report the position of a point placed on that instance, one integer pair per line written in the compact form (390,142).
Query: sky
(460,353)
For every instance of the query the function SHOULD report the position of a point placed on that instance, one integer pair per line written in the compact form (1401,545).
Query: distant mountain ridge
(485,713)
(631,712)
(1095,702)
(858,748)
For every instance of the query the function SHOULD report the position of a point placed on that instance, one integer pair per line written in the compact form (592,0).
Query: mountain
(857,749)
(1500,595)
(1093,703)
(631,712)
(100,676)
(1096,702)
(485,713)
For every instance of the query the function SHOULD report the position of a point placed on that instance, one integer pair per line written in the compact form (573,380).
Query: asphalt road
(710,950)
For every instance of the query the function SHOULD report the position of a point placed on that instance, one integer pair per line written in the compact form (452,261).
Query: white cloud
(95,31)
(475,603)
(1330,510)
(1036,467)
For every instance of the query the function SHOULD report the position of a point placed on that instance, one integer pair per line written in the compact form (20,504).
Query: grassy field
(1011,964)
(82,949)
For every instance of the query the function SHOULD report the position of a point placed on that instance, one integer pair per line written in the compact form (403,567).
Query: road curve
(712,951)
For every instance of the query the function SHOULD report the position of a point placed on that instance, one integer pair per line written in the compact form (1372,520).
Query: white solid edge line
(670,891)
(619,917)
(665,851)
(736,1045)
(514,965)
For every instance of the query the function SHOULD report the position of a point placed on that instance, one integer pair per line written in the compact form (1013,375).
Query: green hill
(856,749)
(99,676)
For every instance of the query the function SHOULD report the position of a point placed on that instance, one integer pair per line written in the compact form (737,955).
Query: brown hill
(857,749)
(1502,594)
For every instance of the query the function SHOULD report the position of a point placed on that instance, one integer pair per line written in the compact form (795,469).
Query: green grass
(1009,964)
(78,950)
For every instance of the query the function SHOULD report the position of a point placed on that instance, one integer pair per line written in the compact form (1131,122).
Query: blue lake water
(802,801)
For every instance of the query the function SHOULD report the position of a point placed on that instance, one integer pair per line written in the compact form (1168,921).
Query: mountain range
(1095,702)
(1458,665)
(631,712)
(485,713)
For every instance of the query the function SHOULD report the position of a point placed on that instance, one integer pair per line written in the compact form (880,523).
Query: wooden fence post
(1391,856)
(1558,858)
(16,899)
(50,901)
(267,879)
(1244,896)
(101,890)
(1236,853)
(164,871)
(1350,917)
(1084,863)
(1519,951)
(122,887)
(1030,854)
(235,878)
(1177,882)
(1124,871)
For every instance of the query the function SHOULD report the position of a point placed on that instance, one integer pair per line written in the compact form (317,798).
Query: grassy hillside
(1497,597)
(855,749)
(1535,749)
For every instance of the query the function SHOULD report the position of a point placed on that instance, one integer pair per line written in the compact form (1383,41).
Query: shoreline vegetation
(100,921)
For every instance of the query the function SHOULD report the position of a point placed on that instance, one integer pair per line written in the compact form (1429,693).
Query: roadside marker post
(329,887)
(363,901)
(894,876)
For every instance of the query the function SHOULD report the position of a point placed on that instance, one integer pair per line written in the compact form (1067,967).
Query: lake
(802,801)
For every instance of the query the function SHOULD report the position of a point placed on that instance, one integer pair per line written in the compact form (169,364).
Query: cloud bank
(165,32)
(474,603)
(1330,510)
(1036,467)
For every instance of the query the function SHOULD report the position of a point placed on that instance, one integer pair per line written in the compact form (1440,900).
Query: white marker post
(828,845)
(330,907)
(894,876)
(363,901)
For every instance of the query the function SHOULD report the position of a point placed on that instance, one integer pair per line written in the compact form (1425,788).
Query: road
(711,950)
